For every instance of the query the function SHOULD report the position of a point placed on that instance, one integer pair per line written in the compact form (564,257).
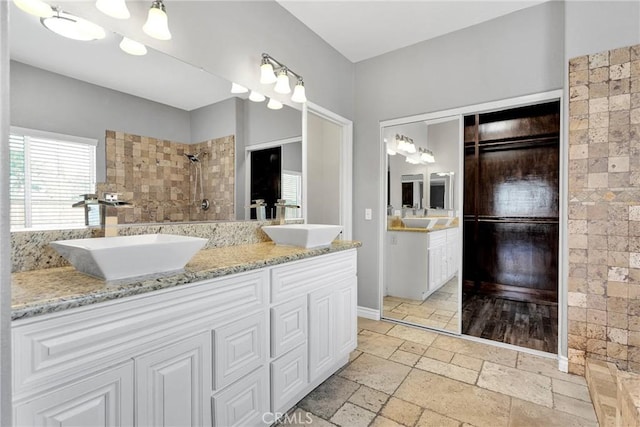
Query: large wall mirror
(422,246)
(159,110)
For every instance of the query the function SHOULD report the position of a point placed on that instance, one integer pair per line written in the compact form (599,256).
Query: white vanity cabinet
(221,352)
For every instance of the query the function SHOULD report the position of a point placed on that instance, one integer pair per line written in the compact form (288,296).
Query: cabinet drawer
(239,347)
(301,277)
(243,403)
(288,377)
(288,325)
(437,238)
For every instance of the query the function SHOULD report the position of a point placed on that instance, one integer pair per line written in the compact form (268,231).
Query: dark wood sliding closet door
(511,203)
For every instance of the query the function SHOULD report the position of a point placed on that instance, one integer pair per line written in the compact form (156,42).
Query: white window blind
(292,192)
(48,173)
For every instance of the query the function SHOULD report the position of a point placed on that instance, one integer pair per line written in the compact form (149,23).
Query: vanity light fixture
(404,143)
(236,88)
(256,97)
(426,156)
(35,7)
(392,147)
(274,104)
(113,8)
(157,25)
(133,47)
(273,71)
(73,27)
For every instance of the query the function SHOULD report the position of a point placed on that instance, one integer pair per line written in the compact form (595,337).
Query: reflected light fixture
(405,144)
(157,25)
(273,71)
(426,156)
(236,88)
(113,8)
(133,47)
(73,27)
(274,104)
(35,7)
(256,97)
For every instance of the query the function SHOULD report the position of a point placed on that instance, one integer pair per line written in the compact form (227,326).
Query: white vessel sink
(422,222)
(303,235)
(124,257)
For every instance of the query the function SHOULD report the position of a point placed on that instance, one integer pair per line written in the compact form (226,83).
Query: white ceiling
(362,29)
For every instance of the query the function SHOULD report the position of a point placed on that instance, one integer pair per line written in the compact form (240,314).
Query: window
(48,173)
(292,192)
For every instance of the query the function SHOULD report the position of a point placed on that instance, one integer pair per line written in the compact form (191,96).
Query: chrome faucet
(260,207)
(281,207)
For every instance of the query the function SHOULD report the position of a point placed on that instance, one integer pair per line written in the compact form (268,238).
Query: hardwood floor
(530,325)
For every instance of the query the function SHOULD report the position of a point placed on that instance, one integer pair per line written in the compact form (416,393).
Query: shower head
(195,158)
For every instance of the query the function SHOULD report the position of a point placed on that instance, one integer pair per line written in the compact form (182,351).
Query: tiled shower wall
(156,176)
(604,209)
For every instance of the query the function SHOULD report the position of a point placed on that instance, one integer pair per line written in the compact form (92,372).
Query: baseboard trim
(563,364)
(368,313)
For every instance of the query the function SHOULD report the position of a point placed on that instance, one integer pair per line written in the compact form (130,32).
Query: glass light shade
(35,7)
(267,76)
(299,94)
(256,97)
(391,152)
(274,105)
(114,8)
(157,25)
(282,83)
(72,27)
(236,88)
(410,148)
(133,47)
(412,161)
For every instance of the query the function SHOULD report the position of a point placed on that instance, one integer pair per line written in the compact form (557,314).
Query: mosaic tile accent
(156,176)
(604,209)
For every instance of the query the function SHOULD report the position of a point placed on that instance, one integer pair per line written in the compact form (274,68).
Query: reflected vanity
(422,238)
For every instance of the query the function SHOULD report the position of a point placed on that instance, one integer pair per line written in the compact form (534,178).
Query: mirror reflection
(422,248)
(147,115)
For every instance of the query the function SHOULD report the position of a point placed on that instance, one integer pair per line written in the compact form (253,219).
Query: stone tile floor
(439,310)
(403,376)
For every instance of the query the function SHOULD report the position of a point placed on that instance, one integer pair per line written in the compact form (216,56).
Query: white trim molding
(563,363)
(368,313)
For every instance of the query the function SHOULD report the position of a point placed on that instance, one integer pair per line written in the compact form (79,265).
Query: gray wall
(517,54)
(51,102)
(265,125)
(227,39)
(214,121)
(292,157)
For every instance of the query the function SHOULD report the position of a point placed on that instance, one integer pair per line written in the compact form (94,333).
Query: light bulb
(256,97)
(299,92)
(410,147)
(157,25)
(282,83)
(133,47)
(35,7)
(391,152)
(72,27)
(274,105)
(113,8)
(236,88)
(267,76)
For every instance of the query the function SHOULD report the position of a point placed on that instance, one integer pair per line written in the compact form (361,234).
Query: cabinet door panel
(173,384)
(288,377)
(346,317)
(243,403)
(288,325)
(321,332)
(103,400)
(240,347)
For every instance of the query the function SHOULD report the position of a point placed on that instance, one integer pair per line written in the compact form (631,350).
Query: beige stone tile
(404,357)
(547,367)
(329,396)
(378,344)
(433,419)
(413,334)
(455,372)
(369,398)
(415,310)
(381,421)
(375,372)
(566,388)
(454,399)
(576,407)
(394,315)
(431,323)
(378,326)
(524,385)
(478,350)
(354,355)
(439,354)
(412,347)
(402,412)
(350,415)
(302,418)
(529,414)
(467,362)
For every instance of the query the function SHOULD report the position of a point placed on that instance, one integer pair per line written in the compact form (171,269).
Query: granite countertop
(51,290)
(421,230)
